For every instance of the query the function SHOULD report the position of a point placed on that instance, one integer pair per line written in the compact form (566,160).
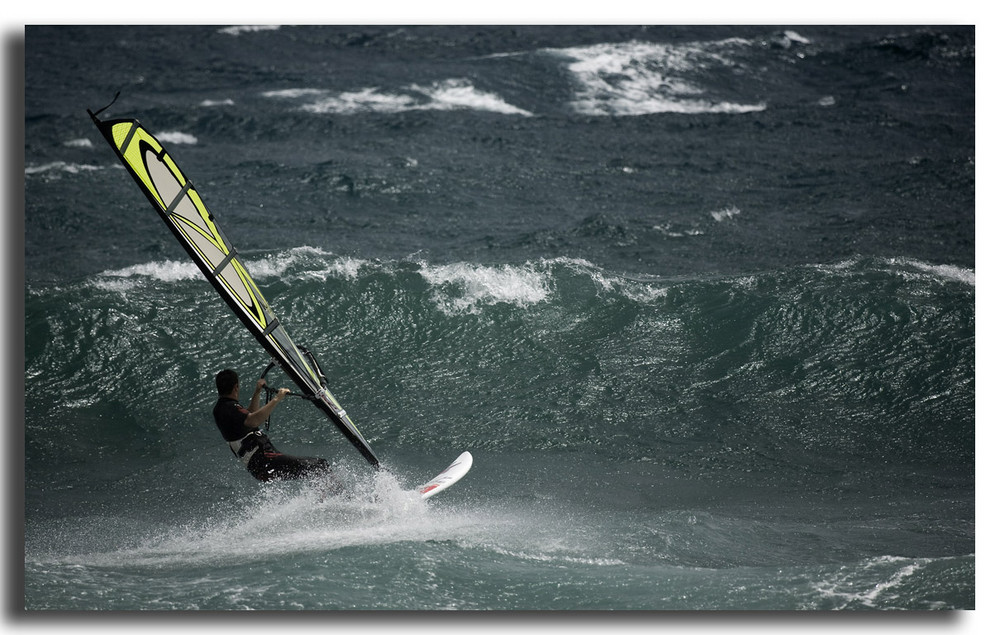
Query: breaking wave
(641,78)
(447,94)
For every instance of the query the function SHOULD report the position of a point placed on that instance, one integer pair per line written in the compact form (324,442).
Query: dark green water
(710,349)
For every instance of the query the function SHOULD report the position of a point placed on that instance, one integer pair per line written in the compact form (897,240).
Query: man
(240,427)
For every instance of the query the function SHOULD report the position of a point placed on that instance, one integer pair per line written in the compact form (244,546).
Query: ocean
(699,300)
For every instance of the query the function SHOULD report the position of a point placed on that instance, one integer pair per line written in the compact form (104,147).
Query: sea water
(700,301)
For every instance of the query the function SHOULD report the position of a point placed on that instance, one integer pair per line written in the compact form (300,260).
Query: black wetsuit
(255,450)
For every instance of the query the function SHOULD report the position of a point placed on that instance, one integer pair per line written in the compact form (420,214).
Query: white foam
(78,143)
(59,167)
(305,262)
(642,291)
(211,103)
(452,94)
(639,78)
(241,29)
(541,556)
(466,288)
(943,272)
(277,264)
(300,263)
(725,214)
(364,100)
(850,586)
(177,137)
(293,93)
(905,267)
(795,37)
(303,515)
(347,267)
(669,230)
(163,271)
(448,94)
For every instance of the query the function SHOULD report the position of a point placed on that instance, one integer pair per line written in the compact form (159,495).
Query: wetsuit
(255,450)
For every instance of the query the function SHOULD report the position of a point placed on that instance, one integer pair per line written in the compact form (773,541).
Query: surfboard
(448,477)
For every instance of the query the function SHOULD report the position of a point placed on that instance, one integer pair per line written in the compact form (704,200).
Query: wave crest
(448,94)
(465,288)
(641,78)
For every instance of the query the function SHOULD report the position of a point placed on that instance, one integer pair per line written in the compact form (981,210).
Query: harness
(245,448)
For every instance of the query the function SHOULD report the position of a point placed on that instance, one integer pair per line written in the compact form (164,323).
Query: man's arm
(255,400)
(258,416)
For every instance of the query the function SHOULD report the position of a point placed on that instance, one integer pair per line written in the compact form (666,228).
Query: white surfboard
(451,475)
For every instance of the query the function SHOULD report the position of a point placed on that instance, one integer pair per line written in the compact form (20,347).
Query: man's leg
(292,467)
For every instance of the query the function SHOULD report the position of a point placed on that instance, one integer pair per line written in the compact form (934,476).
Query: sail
(181,207)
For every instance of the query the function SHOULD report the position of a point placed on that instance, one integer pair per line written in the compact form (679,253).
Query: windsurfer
(240,427)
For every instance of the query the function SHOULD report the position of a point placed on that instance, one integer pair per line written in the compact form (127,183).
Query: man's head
(226,381)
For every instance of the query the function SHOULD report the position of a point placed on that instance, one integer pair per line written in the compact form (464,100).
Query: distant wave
(177,137)
(59,167)
(882,346)
(305,263)
(448,94)
(240,30)
(725,214)
(467,288)
(163,271)
(455,288)
(880,582)
(640,78)
(907,268)
(945,272)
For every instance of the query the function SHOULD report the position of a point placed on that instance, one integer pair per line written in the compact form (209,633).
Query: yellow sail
(179,205)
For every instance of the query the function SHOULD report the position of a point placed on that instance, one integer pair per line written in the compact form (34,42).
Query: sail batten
(178,203)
